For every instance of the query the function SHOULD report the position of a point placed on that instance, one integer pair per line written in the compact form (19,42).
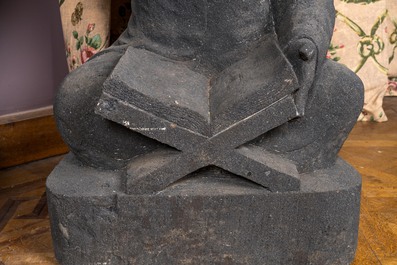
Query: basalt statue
(208,134)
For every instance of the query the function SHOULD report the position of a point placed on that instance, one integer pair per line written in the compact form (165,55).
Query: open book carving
(206,121)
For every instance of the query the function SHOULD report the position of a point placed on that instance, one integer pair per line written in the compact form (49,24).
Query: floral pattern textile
(365,40)
(86,29)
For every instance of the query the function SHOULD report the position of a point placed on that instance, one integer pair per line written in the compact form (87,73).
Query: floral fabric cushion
(364,40)
(86,28)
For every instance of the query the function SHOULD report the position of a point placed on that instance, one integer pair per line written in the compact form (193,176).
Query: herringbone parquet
(24,226)
(371,148)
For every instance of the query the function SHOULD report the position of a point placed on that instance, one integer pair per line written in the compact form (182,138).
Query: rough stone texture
(170,90)
(215,37)
(208,134)
(209,217)
(156,170)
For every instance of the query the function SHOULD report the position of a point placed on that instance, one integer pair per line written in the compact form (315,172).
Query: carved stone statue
(229,105)
(208,37)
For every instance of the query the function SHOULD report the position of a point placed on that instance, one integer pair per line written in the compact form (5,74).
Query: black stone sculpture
(208,134)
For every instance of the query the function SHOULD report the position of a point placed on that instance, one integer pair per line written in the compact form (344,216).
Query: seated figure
(208,36)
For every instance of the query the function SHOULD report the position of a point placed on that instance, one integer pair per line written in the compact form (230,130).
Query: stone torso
(215,33)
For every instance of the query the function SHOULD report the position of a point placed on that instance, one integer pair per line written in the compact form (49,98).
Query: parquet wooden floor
(371,149)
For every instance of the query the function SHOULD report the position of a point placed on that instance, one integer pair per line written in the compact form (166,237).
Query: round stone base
(209,217)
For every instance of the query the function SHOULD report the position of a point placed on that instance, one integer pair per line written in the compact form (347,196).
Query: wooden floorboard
(24,225)
(371,148)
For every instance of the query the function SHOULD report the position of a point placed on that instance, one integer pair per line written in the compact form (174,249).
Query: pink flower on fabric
(90,27)
(86,53)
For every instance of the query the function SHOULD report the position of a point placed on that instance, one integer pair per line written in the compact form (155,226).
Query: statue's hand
(302,54)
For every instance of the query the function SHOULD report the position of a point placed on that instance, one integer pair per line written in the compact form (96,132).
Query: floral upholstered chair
(365,40)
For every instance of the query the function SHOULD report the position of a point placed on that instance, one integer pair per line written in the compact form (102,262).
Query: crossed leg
(94,140)
(313,141)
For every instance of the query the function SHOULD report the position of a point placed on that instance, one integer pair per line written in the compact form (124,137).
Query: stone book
(173,91)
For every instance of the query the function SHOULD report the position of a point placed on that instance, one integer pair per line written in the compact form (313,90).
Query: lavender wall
(32,57)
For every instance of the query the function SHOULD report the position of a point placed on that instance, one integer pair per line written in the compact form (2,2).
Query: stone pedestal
(208,217)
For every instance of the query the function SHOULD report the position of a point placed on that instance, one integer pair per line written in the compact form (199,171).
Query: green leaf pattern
(84,43)
(368,30)
(95,42)
(370,45)
(333,52)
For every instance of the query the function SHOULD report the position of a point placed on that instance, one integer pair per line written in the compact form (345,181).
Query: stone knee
(94,140)
(335,103)
(313,141)
(339,88)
